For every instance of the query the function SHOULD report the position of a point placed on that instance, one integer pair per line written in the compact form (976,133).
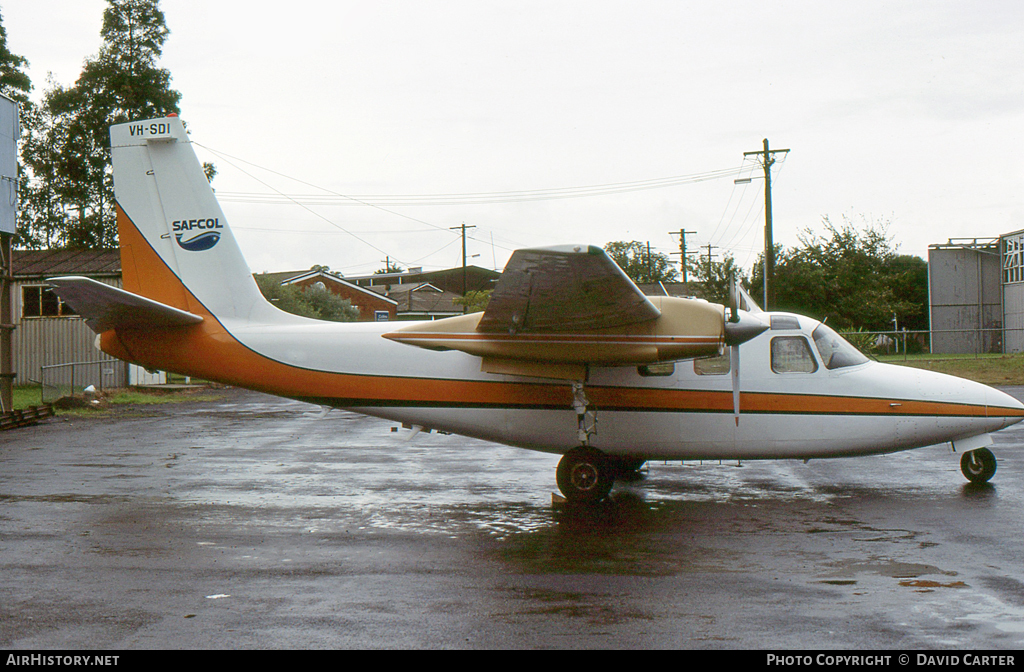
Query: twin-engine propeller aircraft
(566,341)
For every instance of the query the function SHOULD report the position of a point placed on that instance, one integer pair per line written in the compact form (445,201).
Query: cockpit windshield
(836,352)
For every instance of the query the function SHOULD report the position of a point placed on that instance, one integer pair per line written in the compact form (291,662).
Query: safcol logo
(197,235)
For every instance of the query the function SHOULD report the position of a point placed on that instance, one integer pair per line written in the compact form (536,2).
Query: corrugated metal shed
(964,290)
(42,339)
(51,263)
(1012,247)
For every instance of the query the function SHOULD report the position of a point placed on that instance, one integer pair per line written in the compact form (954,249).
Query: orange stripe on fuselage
(207,350)
(557,337)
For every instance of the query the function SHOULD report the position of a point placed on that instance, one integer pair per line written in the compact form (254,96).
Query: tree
(389,268)
(852,276)
(910,287)
(718,277)
(315,302)
(328,305)
(641,265)
(14,82)
(475,301)
(70,196)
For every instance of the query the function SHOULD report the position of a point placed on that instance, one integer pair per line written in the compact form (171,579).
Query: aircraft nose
(1006,406)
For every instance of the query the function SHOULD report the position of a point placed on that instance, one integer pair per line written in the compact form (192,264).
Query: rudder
(171,226)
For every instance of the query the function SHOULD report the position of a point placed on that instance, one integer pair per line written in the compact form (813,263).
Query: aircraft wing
(565,288)
(556,310)
(105,307)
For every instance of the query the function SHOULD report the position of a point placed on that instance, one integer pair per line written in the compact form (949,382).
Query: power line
(289,199)
(478,198)
(316,214)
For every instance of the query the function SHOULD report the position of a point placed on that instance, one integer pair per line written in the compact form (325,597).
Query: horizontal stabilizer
(105,307)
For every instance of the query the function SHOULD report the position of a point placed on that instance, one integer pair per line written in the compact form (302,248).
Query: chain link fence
(906,342)
(66,380)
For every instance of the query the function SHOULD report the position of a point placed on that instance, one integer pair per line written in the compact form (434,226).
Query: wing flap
(105,307)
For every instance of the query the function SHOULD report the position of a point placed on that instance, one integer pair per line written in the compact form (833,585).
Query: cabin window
(836,352)
(41,301)
(792,354)
(712,366)
(785,322)
(658,369)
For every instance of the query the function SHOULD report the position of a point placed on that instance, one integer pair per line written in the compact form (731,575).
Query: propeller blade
(734,290)
(735,357)
(740,325)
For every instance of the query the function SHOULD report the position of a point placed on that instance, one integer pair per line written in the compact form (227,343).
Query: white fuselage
(854,410)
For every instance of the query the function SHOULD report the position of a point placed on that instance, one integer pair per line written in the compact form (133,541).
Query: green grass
(133,396)
(28,395)
(991,369)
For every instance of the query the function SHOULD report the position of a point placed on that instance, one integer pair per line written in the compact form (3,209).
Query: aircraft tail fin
(176,246)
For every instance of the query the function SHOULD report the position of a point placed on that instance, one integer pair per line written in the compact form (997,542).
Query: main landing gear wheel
(585,475)
(978,465)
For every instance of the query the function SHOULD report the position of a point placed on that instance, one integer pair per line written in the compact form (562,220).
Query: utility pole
(682,248)
(463,227)
(709,246)
(766,157)
(649,274)
(10,131)
(6,325)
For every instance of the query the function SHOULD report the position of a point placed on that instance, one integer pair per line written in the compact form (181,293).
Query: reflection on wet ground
(263,522)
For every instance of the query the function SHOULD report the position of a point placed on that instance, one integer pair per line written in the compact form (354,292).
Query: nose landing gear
(978,465)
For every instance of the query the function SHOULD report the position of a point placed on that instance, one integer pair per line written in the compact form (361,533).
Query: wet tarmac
(253,522)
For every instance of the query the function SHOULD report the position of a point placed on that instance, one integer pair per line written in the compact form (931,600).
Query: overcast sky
(908,112)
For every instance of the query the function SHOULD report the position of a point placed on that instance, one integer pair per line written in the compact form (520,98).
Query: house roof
(293,277)
(49,263)
(280,277)
(330,277)
(420,298)
(449,279)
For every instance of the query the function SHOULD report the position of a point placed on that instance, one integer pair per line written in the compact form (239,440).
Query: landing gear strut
(585,475)
(586,419)
(978,465)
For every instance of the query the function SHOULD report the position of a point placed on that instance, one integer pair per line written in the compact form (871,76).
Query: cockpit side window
(792,354)
(836,352)
(784,322)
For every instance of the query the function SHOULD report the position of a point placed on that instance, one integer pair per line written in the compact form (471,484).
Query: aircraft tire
(978,465)
(585,475)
